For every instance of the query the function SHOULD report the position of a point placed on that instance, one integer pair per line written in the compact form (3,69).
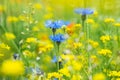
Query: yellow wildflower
(94,59)
(43,47)
(27,53)
(31,40)
(12,19)
(99,76)
(117,24)
(49,9)
(4,46)
(67,57)
(48,15)
(109,20)
(11,67)
(105,52)
(117,78)
(114,73)
(76,65)
(76,77)
(78,25)
(77,45)
(10,36)
(54,75)
(90,21)
(95,13)
(37,6)
(65,71)
(93,43)
(2,8)
(35,28)
(105,38)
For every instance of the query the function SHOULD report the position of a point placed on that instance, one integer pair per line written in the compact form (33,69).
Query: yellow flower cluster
(43,47)
(117,24)
(64,71)
(2,8)
(99,76)
(114,73)
(94,59)
(31,40)
(12,19)
(77,45)
(54,75)
(4,46)
(37,6)
(105,52)
(90,21)
(9,36)
(76,77)
(105,38)
(93,43)
(78,25)
(12,68)
(27,53)
(67,57)
(109,20)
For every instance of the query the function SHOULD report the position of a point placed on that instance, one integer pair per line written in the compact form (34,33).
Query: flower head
(54,24)
(11,67)
(57,38)
(83,11)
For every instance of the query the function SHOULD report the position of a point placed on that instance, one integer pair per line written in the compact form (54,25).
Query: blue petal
(48,23)
(54,59)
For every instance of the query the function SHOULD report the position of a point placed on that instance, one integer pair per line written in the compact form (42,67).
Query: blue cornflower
(54,24)
(57,38)
(83,11)
(54,60)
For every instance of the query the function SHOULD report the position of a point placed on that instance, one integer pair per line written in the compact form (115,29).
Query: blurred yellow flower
(49,8)
(54,75)
(105,52)
(27,53)
(114,73)
(76,77)
(117,24)
(48,15)
(2,8)
(109,20)
(64,71)
(37,6)
(93,43)
(77,66)
(78,25)
(9,36)
(12,68)
(2,45)
(12,19)
(31,40)
(35,28)
(77,45)
(90,21)
(99,76)
(94,59)
(117,78)
(95,13)
(105,38)
(43,47)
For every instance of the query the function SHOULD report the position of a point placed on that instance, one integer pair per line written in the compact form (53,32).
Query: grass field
(59,40)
